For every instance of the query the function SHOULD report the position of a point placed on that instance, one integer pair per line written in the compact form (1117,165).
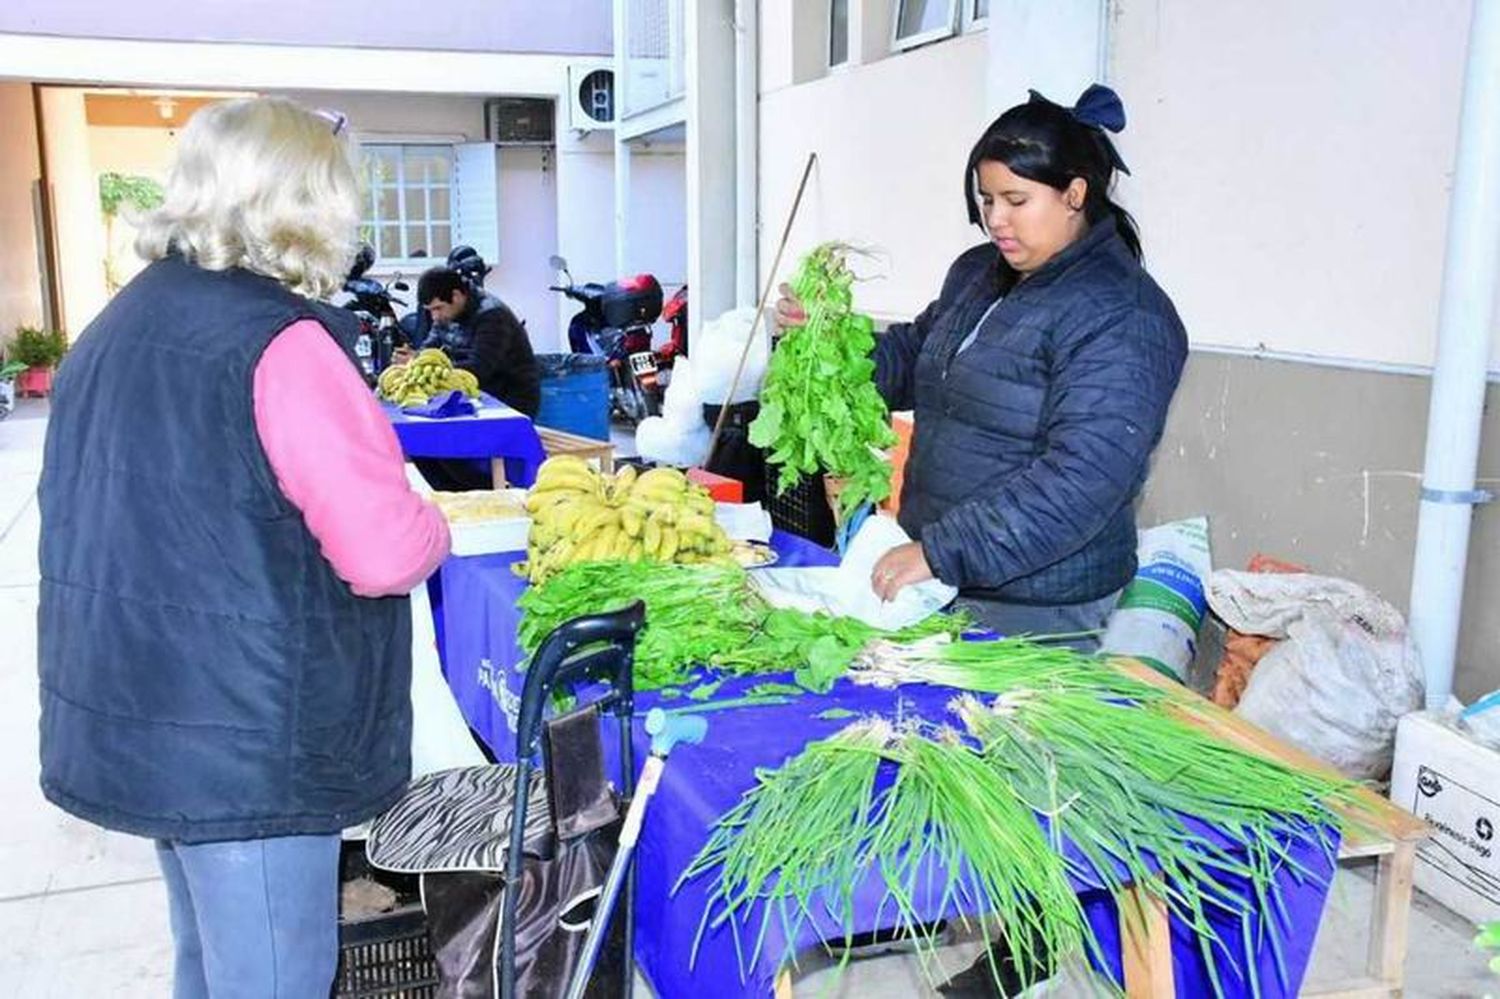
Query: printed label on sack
(1169,587)
(1464,821)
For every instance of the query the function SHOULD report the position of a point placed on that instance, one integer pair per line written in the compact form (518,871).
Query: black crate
(387,956)
(803,509)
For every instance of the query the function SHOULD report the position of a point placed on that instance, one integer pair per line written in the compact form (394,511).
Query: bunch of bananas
(581,515)
(427,374)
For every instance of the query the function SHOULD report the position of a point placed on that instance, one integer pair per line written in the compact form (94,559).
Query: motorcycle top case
(632,300)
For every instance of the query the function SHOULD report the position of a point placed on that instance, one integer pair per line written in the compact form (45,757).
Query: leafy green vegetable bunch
(819,409)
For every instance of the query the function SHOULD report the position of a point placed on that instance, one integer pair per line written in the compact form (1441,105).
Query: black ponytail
(1052,145)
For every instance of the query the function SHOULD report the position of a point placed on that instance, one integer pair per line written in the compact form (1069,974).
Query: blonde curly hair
(264,184)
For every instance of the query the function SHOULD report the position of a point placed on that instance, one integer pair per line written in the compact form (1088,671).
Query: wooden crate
(562,442)
(1390,833)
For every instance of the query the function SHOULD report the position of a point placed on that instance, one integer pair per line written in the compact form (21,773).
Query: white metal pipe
(622,148)
(746,149)
(1471,275)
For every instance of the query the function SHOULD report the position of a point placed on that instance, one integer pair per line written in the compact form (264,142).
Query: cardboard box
(903,422)
(1452,782)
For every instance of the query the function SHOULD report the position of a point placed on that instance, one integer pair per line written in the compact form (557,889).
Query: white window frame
(970,20)
(408,263)
(828,55)
(899,44)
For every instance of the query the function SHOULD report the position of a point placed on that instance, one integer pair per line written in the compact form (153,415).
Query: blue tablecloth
(495,431)
(702,782)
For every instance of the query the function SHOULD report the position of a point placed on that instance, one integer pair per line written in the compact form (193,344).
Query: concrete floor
(83,913)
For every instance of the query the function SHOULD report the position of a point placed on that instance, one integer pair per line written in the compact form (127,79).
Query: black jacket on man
(489,341)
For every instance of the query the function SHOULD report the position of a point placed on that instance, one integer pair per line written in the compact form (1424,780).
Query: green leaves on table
(819,408)
(705,616)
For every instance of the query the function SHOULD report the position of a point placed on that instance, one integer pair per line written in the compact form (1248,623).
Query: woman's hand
(789,311)
(898,568)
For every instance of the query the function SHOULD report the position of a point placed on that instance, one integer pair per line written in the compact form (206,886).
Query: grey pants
(1051,619)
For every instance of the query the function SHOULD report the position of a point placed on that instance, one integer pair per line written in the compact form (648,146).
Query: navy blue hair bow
(1098,108)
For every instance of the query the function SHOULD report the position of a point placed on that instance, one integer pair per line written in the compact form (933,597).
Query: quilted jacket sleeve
(1112,383)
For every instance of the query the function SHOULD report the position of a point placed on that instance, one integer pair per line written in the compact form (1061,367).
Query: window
(976,14)
(409,203)
(920,21)
(838,32)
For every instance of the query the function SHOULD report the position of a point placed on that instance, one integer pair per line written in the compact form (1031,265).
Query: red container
(34,381)
(722,488)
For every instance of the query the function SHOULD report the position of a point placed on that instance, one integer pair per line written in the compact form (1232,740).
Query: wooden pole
(713,441)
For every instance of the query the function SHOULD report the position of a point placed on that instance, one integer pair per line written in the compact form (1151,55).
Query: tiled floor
(82,912)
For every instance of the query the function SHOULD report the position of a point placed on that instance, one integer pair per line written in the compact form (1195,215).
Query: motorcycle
(616,322)
(380,331)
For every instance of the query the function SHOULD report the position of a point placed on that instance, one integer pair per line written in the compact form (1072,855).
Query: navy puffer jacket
(1032,442)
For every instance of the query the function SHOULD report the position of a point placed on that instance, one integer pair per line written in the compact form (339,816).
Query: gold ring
(887,575)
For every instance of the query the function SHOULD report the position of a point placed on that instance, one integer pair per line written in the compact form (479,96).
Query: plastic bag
(716,356)
(1159,614)
(1342,678)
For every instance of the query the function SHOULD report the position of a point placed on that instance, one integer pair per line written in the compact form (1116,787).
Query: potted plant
(39,350)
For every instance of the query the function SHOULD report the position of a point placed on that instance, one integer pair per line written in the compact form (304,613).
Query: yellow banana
(572,478)
(621,546)
(632,520)
(624,481)
(667,549)
(594,520)
(651,537)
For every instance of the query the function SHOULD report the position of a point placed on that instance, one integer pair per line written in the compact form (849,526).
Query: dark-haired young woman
(1040,379)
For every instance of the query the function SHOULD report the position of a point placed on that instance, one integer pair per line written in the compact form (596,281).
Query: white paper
(744,521)
(846,589)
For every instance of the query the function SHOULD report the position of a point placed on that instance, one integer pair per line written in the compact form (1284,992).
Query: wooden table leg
(1146,945)
(1390,916)
(497,473)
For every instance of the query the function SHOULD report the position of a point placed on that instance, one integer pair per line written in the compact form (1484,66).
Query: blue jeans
(254,918)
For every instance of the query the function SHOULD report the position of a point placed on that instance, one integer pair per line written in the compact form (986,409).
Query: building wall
(20,272)
(1321,466)
(891,139)
(552,26)
(143,152)
(1291,166)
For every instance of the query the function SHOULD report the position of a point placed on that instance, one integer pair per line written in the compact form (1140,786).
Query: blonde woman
(227,541)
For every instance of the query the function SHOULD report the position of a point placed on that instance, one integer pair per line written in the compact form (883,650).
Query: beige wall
(1321,466)
(891,137)
(20,273)
(142,152)
(1291,166)
(75,194)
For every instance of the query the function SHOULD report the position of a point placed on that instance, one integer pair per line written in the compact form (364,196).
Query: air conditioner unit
(520,121)
(591,95)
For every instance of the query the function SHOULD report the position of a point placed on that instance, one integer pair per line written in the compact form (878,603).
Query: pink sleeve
(337,460)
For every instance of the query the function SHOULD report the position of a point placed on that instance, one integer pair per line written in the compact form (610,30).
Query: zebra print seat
(458,820)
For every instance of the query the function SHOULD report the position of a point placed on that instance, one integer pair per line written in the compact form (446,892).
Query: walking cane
(666,731)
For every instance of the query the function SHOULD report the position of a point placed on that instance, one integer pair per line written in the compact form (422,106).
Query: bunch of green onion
(1107,759)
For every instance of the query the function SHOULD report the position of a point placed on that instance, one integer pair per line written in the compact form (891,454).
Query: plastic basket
(802,510)
(387,956)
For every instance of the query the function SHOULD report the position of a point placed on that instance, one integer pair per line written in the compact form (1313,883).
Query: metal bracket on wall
(1473,497)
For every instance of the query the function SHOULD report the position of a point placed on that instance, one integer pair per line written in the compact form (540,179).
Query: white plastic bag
(1344,674)
(1161,611)
(716,356)
(658,440)
(846,589)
